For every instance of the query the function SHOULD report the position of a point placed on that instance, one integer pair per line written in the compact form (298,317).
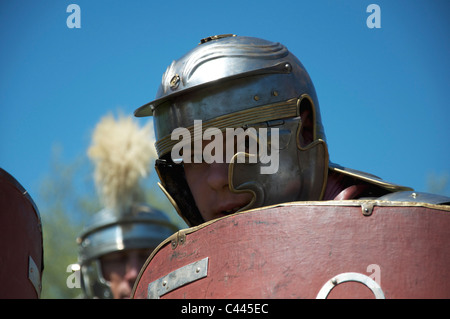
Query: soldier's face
(209,186)
(121,269)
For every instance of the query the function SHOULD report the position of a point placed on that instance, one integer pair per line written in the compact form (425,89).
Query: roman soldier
(118,239)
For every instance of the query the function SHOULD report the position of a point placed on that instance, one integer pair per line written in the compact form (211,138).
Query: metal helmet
(109,231)
(230,81)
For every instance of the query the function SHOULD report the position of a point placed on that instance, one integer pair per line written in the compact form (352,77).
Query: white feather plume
(122,153)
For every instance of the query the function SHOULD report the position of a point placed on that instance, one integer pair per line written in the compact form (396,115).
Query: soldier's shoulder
(419,197)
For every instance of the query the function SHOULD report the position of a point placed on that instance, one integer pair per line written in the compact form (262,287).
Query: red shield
(21,250)
(343,249)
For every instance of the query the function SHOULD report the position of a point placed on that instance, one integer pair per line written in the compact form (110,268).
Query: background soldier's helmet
(230,82)
(122,153)
(109,231)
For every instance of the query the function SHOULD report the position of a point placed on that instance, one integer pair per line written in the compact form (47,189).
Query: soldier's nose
(218,176)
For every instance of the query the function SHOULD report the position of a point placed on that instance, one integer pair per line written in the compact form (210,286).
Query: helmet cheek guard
(175,187)
(301,172)
(92,281)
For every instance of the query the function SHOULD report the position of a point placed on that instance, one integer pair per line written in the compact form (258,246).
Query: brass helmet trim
(242,118)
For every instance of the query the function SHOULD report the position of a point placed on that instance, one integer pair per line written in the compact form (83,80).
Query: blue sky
(383,93)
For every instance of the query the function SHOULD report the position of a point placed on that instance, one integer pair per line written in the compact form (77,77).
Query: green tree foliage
(438,183)
(64,209)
